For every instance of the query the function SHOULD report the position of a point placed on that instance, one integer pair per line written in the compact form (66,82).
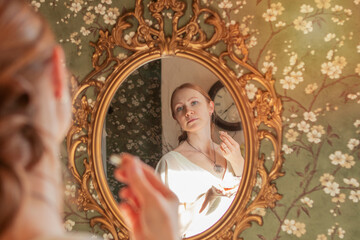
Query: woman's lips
(191,120)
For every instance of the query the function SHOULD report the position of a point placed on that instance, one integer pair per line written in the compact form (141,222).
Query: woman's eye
(194,103)
(178,109)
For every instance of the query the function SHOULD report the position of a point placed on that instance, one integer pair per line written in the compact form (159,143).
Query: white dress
(190,183)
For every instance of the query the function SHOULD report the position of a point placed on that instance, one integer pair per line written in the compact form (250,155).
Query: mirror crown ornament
(190,41)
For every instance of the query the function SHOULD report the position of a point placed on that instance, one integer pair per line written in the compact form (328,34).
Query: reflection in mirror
(204,169)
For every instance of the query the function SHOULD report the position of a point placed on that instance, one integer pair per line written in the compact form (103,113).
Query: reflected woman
(204,175)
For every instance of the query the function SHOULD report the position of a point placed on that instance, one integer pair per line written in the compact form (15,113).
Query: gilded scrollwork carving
(190,40)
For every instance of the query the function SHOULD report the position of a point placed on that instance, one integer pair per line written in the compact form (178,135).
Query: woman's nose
(188,112)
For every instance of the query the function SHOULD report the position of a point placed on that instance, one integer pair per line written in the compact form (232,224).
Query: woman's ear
(211,107)
(58,72)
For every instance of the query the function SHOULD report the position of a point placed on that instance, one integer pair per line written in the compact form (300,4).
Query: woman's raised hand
(214,192)
(149,208)
(231,152)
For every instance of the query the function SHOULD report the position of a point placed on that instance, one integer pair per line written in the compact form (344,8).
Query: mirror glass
(139,121)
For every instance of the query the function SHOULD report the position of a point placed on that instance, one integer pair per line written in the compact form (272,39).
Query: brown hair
(197,88)
(26,45)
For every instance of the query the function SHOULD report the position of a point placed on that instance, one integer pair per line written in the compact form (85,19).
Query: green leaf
(261,237)
(305,211)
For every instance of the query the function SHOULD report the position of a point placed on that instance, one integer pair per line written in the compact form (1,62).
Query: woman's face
(191,109)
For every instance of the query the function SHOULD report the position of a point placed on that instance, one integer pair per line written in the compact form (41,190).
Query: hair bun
(19,138)
(14,96)
(20,145)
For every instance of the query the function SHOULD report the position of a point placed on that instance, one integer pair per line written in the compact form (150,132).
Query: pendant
(218,168)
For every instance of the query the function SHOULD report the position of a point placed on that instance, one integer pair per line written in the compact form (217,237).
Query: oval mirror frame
(261,116)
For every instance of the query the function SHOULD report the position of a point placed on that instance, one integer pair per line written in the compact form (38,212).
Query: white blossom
(302,25)
(70,190)
(89,18)
(341,232)
(291,135)
(288,83)
(100,9)
(349,161)
(309,116)
(84,31)
(251,90)
(323,4)
(337,158)
(311,88)
(307,201)
(357,123)
(69,224)
(314,136)
(354,196)
(329,37)
(299,229)
(332,188)
(75,7)
(288,226)
(321,237)
(269,15)
(353,143)
(287,149)
(306,8)
(108,236)
(106,1)
(303,126)
(326,178)
(225,4)
(351,182)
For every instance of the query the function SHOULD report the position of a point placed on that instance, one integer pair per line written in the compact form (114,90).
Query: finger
(132,173)
(225,135)
(223,152)
(127,195)
(120,175)
(229,142)
(224,148)
(228,145)
(141,178)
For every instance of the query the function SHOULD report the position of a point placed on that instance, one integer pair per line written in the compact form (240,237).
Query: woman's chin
(194,126)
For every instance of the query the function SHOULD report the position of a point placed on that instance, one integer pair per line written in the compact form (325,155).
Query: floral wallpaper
(133,122)
(313,47)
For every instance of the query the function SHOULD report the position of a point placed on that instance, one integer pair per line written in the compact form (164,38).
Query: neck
(201,140)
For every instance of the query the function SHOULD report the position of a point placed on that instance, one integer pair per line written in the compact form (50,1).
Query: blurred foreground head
(26,66)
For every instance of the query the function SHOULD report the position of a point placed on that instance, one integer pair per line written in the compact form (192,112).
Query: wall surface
(313,47)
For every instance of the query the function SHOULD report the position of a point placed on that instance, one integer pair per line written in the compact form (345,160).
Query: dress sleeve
(162,170)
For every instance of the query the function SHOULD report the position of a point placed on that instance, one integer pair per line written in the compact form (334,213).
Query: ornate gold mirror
(155,31)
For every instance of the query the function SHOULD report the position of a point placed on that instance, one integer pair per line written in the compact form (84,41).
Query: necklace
(217,168)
